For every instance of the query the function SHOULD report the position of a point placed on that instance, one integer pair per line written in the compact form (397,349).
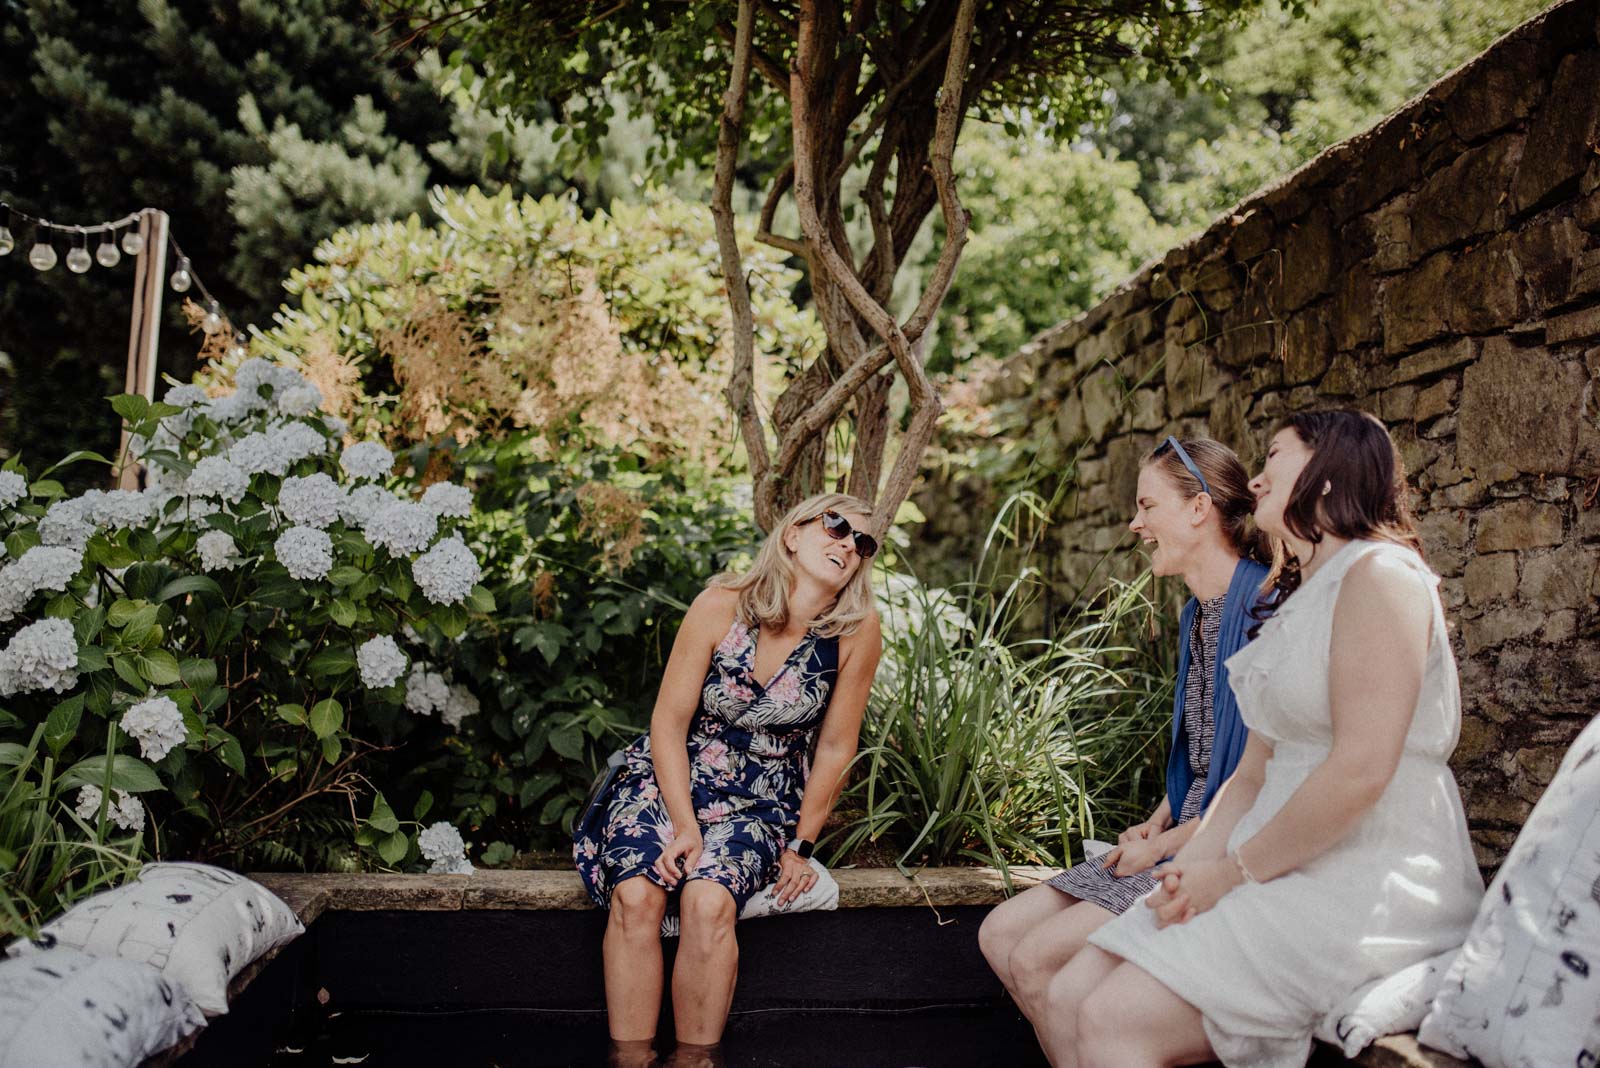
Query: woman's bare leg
(1047,949)
(1131,1020)
(1057,1023)
(1011,921)
(632,956)
(707,964)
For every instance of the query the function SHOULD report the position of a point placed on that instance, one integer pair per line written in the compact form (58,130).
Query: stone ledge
(312,895)
(1404,1051)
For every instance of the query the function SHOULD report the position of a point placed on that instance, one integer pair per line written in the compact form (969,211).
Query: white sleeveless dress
(1269,960)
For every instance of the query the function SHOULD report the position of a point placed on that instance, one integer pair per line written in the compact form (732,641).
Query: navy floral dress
(749,756)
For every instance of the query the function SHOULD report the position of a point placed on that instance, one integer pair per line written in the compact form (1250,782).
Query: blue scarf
(1228,745)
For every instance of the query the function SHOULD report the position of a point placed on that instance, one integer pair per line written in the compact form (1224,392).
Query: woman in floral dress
(756,722)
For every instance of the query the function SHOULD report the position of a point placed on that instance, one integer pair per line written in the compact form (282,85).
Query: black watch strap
(803,846)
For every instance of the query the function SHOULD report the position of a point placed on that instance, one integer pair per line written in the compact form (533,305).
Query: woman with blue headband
(1193,511)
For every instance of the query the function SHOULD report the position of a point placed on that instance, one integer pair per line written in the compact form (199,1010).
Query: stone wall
(1442,271)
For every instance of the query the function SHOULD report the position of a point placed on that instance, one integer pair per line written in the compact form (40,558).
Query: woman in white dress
(1338,850)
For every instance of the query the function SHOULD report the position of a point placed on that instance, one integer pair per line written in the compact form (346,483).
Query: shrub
(243,620)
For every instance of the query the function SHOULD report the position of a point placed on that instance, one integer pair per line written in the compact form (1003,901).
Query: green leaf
(198,674)
(92,658)
(537,787)
(74,457)
(226,747)
(47,487)
(295,714)
(423,805)
(159,667)
(383,817)
(568,741)
(342,612)
(481,600)
(394,848)
(128,673)
(62,723)
(127,773)
(20,541)
(330,750)
(346,575)
(188,584)
(497,853)
(112,555)
(130,406)
(452,620)
(333,660)
(121,611)
(326,718)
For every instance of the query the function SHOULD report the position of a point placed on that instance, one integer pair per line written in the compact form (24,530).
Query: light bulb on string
(106,254)
(213,320)
(132,242)
(42,256)
(240,347)
(7,241)
(78,258)
(181,278)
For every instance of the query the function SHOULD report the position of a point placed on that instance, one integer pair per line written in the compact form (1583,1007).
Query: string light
(7,242)
(42,256)
(181,278)
(78,258)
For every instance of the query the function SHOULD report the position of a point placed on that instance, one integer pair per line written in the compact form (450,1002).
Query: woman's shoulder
(866,637)
(714,609)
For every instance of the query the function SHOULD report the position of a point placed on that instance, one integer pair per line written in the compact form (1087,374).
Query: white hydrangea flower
(236,406)
(299,400)
(402,527)
(312,501)
(443,845)
(297,441)
(185,396)
(366,459)
(43,567)
(447,572)
(157,725)
(448,500)
(425,690)
(336,426)
(254,373)
(126,811)
(218,476)
(306,552)
(362,502)
(13,487)
(69,522)
(217,551)
(122,508)
(256,453)
(380,661)
(459,703)
(41,656)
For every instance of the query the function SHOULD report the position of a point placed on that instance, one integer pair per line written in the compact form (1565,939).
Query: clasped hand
(680,856)
(1138,848)
(795,877)
(1190,887)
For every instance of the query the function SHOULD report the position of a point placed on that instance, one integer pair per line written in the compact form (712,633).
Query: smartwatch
(802,846)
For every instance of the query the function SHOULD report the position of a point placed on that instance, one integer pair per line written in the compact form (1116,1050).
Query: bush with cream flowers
(231,643)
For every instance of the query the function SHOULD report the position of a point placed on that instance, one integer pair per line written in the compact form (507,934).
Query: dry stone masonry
(1442,271)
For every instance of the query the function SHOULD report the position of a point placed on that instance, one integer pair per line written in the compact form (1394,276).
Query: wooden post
(144,333)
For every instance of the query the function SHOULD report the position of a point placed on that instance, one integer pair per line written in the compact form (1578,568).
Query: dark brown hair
(1352,456)
(1230,490)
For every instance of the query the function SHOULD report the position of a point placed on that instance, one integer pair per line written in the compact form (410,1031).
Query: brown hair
(1229,485)
(1352,456)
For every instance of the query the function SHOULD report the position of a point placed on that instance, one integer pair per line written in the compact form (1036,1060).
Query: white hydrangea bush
(253,624)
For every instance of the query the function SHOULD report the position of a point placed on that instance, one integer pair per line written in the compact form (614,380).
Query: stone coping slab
(312,895)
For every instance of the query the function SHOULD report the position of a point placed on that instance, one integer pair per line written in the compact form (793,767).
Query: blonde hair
(764,589)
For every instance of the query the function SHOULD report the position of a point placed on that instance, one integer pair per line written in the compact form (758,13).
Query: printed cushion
(66,1008)
(1525,989)
(199,924)
(822,896)
(1385,1006)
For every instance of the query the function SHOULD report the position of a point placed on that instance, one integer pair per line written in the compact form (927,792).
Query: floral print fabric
(749,746)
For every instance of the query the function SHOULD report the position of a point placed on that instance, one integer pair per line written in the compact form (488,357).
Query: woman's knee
(1098,1024)
(997,935)
(708,911)
(637,904)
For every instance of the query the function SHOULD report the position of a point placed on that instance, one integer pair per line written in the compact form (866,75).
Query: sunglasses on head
(1172,444)
(838,528)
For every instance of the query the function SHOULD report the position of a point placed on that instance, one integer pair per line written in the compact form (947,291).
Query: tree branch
(741,381)
(769,68)
(769,209)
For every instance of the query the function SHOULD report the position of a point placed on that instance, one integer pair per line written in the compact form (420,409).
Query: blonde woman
(757,719)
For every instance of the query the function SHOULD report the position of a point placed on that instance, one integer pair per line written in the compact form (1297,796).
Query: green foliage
(985,743)
(1053,228)
(50,857)
(1286,85)
(514,312)
(592,561)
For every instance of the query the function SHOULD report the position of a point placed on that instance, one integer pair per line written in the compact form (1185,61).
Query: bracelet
(1238,862)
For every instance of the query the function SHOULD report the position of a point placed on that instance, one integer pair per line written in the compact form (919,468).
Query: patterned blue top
(749,756)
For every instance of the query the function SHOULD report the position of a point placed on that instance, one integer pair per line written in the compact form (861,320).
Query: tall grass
(50,858)
(985,742)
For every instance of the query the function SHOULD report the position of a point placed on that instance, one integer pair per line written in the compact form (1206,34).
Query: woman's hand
(685,847)
(795,877)
(1190,888)
(1135,856)
(1139,832)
